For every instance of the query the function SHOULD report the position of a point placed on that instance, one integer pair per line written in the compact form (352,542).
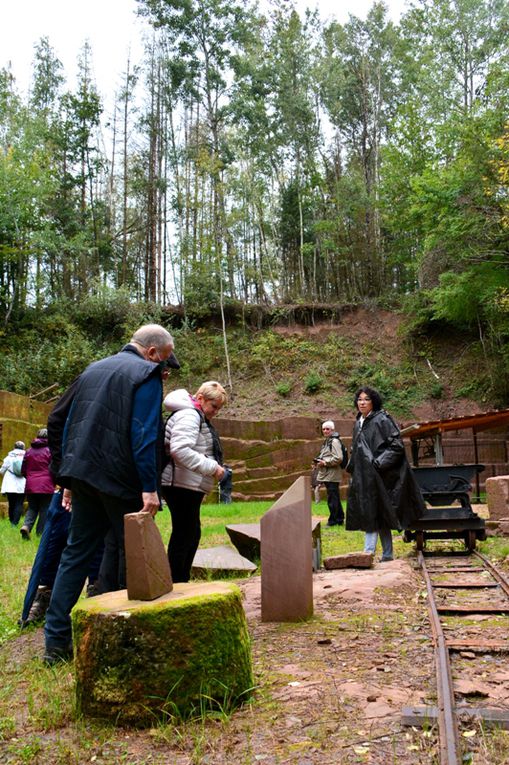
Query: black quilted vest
(97,437)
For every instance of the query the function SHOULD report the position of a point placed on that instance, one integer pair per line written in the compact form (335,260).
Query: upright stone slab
(147,566)
(140,662)
(497,496)
(286,556)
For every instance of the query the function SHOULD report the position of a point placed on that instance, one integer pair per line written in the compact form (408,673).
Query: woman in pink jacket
(39,486)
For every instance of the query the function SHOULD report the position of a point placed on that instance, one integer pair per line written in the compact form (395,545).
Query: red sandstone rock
(497,495)
(148,570)
(286,556)
(350,560)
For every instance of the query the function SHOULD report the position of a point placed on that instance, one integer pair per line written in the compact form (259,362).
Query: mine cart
(447,489)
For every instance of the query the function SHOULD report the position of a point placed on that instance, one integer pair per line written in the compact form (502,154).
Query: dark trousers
(185,536)
(112,572)
(49,553)
(93,514)
(15,503)
(336,514)
(37,508)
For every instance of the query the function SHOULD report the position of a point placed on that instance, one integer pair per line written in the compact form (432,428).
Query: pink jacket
(36,468)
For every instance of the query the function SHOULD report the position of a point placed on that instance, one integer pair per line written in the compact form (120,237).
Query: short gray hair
(152,335)
(328,424)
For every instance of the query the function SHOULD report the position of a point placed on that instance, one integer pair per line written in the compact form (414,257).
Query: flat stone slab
(246,537)
(147,567)
(119,601)
(349,560)
(221,558)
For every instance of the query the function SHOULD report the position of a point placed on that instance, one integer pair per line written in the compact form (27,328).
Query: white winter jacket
(12,483)
(188,441)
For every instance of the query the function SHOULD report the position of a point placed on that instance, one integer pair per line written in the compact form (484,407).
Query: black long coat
(383,492)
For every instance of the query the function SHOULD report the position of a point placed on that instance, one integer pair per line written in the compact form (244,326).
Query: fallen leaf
(469,733)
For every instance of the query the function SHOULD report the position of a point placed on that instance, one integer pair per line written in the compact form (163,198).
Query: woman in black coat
(383,493)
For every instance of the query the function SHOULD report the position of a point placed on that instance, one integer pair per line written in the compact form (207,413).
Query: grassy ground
(17,555)
(39,723)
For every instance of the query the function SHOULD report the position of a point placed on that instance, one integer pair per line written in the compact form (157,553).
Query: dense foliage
(267,157)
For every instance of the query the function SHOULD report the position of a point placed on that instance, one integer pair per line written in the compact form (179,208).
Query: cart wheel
(470,540)
(419,540)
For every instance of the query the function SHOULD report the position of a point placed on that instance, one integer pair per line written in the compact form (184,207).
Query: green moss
(137,664)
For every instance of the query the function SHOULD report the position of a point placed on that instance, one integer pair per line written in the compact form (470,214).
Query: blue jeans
(93,515)
(371,539)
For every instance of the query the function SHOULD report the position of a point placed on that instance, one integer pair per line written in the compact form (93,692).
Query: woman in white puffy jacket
(195,459)
(13,483)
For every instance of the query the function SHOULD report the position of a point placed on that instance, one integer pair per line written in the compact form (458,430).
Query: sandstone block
(287,556)
(147,567)
(139,662)
(503,528)
(349,560)
(497,495)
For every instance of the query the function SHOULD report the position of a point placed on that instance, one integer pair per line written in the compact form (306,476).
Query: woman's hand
(219,472)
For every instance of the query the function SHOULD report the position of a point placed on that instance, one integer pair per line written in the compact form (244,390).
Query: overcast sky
(112,28)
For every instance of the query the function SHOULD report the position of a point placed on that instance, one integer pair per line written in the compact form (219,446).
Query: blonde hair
(212,391)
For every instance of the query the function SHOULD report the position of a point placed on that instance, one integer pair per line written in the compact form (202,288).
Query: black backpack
(344,453)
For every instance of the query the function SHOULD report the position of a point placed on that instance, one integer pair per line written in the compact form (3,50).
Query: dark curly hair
(373,394)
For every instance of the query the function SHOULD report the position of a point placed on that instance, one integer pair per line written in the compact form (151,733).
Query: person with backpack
(194,459)
(13,483)
(331,459)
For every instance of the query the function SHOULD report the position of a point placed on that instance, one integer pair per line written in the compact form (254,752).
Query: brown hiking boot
(39,606)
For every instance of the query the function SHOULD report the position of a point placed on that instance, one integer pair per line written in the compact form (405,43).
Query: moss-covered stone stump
(141,661)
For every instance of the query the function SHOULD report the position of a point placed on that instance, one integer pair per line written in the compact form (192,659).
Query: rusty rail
(447,718)
(495,573)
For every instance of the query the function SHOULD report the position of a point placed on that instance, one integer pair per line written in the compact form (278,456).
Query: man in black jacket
(110,463)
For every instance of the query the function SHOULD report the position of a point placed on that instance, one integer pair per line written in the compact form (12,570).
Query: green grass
(17,555)
(16,558)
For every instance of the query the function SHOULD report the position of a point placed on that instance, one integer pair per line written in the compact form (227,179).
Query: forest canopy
(269,158)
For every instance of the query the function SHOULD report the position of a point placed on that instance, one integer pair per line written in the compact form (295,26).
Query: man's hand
(151,503)
(67,500)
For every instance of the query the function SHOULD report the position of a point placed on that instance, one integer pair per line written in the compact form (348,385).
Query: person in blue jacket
(110,466)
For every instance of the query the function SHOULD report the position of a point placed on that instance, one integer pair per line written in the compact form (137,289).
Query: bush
(284,388)
(436,390)
(313,383)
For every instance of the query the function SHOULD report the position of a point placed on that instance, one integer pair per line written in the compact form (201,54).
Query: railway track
(467,596)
